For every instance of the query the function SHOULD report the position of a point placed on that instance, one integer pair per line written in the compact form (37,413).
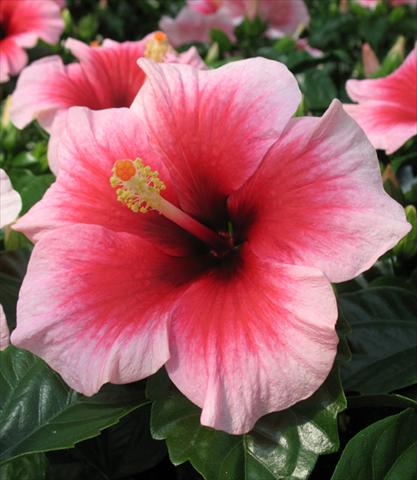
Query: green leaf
(385,450)
(9,292)
(383,400)
(383,340)
(38,412)
(407,247)
(34,189)
(24,159)
(282,445)
(125,449)
(222,40)
(27,467)
(318,88)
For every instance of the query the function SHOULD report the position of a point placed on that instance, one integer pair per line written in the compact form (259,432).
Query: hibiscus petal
(212,128)
(100,308)
(86,153)
(388,126)
(39,92)
(264,340)
(318,199)
(10,201)
(387,109)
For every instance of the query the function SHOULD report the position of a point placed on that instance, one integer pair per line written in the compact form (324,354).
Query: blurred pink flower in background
(282,18)
(248,214)
(105,77)
(302,44)
(387,107)
(60,3)
(369,60)
(198,17)
(194,25)
(22,23)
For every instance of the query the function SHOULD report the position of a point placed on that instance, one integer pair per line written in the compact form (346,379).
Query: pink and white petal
(95,305)
(212,128)
(318,200)
(42,89)
(57,131)
(264,340)
(10,201)
(189,57)
(109,43)
(192,26)
(387,109)
(79,49)
(4,330)
(387,125)
(86,145)
(12,59)
(398,87)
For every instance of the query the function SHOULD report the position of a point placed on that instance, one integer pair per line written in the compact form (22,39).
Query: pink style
(198,17)
(105,77)
(200,229)
(387,107)
(22,24)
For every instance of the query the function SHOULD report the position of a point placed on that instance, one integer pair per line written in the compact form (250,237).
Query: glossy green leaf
(126,448)
(38,412)
(13,266)
(283,445)
(9,292)
(386,450)
(27,467)
(384,400)
(383,339)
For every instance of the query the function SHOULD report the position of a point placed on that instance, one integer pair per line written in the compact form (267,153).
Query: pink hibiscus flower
(387,107)
(47,88)
(22,23)
(198,17)
(211,248)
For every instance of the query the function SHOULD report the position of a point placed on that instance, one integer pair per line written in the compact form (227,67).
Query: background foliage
(363,419)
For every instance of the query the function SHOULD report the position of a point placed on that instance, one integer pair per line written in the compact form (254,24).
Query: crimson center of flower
(3,31)
(139,188)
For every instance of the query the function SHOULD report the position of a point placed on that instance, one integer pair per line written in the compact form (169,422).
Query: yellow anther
(157,47)
(137,185)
